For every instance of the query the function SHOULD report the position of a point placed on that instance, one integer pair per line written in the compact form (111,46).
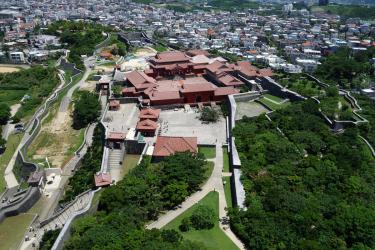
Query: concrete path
(68,97)
(9,127)
(214,183)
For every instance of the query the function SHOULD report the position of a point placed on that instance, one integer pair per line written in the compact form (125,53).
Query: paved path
(68,97)
(214,183)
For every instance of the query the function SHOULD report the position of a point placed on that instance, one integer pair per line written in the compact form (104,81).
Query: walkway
(36,231)
(213,183)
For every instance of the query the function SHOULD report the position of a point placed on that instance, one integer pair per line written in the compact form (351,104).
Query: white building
(17,57)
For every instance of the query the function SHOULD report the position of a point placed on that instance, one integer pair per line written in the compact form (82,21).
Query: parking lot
(181,123)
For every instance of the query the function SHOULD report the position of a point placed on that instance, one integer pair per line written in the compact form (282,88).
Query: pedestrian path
(214,183)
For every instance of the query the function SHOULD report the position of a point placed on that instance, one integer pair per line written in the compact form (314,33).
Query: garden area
(202,221)
(143,193)
(298,83)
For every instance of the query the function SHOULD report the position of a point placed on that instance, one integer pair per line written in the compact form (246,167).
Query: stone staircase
(115,157)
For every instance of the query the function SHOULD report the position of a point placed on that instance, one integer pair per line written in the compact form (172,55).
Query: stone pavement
(214,183)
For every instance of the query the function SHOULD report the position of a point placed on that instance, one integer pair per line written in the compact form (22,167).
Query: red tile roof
(226,91)
(196,52)
(140,80)
(102,179)
(170,56)
(116,136)
(149,113)
(166,145)
(147,125)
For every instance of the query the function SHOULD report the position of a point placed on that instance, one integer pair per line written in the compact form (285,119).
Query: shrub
(209,115)
(203,218)
(185,225)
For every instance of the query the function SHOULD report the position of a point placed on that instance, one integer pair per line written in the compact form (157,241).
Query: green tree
(86,109)
(209,115)
(203,218)
(4,113)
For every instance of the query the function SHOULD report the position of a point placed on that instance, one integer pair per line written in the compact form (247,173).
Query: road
(10,179)
(214,183)
(68,97)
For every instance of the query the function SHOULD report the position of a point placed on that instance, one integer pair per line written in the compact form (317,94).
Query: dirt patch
(145,52)
(88,85)
(105,68)
(56,140)
(14,108)
(8,69)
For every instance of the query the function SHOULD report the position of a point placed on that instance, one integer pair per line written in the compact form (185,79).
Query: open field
(57,140)
(213,238)
(8,69)
(145,52)
(12,144)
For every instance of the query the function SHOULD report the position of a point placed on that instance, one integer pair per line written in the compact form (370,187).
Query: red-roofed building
(102,179)
(149,114)
(115,139)
(147,127)
(170,63)
(166,146)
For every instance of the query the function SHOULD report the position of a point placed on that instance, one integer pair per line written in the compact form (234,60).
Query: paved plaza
(123,119)
(249,109)
(181,123)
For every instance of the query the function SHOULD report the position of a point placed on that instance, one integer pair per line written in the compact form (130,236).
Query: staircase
(115,157)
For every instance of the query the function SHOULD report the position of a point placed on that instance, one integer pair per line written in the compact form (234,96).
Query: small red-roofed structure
(147,127)
(149,114)
(102,179)
(114,105)
(115,139)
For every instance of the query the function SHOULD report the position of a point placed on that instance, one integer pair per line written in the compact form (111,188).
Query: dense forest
(80,37)
(141,196)
(306,187)
(347,69)
(368,111)
(36,82)
(350,11)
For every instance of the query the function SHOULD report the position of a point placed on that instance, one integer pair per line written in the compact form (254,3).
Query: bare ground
(56,140)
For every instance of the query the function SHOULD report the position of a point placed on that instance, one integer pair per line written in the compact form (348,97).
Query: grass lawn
(213,238)
(226,159)
(274,98)
(209,152)
(272,105)
(12,230)
(129,162)
(227,190)
(210,167)
(11,146)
